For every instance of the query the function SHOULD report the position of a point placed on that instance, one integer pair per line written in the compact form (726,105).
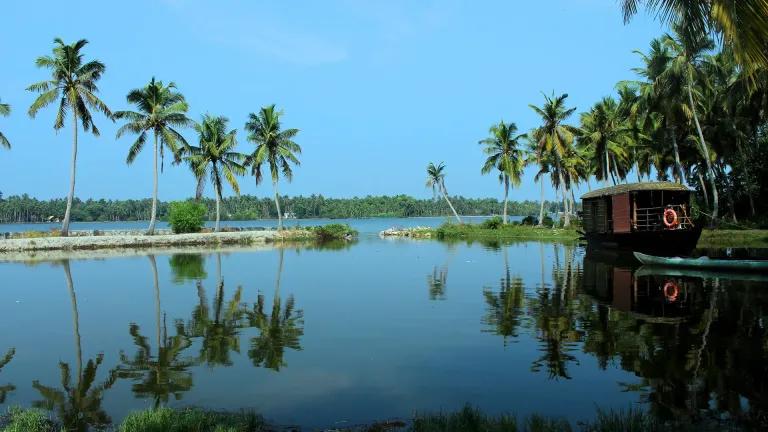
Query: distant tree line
(19,209)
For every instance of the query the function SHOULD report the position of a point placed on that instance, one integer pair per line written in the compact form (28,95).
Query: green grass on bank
(467,419)
(493,229)
(720,238)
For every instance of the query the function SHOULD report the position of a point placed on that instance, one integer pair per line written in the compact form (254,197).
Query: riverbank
(485,231)
(723,238)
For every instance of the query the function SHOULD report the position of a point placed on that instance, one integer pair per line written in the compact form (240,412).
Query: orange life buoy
(671,291)
(670,218)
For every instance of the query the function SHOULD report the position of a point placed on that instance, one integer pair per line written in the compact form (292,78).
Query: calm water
(380,329)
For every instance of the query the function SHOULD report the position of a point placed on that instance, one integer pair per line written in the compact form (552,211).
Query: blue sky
(378,88)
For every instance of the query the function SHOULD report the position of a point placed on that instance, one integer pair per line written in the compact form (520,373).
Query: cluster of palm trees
(161,111)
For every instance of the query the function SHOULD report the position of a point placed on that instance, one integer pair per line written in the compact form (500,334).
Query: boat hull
(704,263)
(661,243)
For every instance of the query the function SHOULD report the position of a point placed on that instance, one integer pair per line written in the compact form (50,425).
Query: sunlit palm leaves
(436,181)
(607,137)
(274,147)
(504,153)
(279,330)
(215,156)
(161,110)
(5,111)
(73,84)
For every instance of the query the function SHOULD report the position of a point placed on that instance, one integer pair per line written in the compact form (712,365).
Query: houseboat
(646,217)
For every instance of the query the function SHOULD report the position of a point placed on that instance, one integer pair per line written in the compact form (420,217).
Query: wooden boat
(649,217)
(703,263)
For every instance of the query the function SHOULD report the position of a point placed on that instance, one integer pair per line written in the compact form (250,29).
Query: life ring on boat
(671,291)
(670,218)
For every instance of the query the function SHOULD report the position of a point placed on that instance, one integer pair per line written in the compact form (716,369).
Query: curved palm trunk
(566,215)
(75,320)
(541,205)
(704,152)
(277,205)
(153,216)
(506,197)
(72,172)
(678,166)
(218,208)
(703,189)
(445,195)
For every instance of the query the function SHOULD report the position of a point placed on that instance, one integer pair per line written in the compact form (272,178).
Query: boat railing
(652,218)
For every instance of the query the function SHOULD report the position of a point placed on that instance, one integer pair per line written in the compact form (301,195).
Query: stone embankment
(415,232)
(134,239)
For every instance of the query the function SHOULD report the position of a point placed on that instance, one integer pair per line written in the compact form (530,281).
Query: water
(381,329)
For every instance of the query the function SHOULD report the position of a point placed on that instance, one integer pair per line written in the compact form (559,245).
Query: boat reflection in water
(697,341)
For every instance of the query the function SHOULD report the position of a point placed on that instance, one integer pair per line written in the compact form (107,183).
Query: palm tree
(5,111)
(215,157)
(555,138)
(73,83)
(436,180)
(160,109)
(504,154)
(743,24)
(273,146)
(606,137)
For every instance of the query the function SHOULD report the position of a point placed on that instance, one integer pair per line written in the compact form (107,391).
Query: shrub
(26,420)
(493,223)
(529,220)
(334,232)
(191,420)
(186,216)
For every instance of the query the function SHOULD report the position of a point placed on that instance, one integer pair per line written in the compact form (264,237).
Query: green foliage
(450,231)
(191,420)
(493,223)
(186,216)
(187,267)
(26,420)
(334,232)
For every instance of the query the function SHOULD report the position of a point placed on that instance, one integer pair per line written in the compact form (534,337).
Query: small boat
(703,263)
(656,270)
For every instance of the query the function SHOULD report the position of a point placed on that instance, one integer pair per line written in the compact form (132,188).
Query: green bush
(186,216)
(191,420)
(334,232)
(493,223)
(26,420)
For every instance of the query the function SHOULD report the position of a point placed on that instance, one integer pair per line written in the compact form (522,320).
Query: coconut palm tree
(161,109)
(504,153)
(607,138)
(436,180)
(73,84)
(273,146)
(5,111)
(555,138)
(743,24)
(215,157)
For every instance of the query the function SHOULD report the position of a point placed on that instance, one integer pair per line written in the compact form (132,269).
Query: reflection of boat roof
(634,187)
(651,270)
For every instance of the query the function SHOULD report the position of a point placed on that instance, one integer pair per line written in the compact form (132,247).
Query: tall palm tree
(215,157)
(556,138)
(273,146)
(607,138)
(160,109)
(743,24)
(73,83)
(504,153)
(436,180)
(5,111)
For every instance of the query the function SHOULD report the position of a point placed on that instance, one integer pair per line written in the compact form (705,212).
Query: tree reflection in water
(77,405)
(7,388)
(505,312)
(164,373)
(279,329)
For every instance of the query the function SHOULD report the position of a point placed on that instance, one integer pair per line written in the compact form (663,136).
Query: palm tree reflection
(505,308)
(280,329)
(164,373)
(5,389)
(77,406)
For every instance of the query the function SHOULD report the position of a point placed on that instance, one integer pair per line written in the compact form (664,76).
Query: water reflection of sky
(376,343)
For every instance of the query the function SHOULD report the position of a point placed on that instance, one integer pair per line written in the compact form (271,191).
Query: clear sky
(378,88)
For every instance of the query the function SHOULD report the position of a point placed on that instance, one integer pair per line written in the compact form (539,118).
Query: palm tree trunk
(566,216)
(607,171)
(745,168)
(75,319)
(279,273)
(678,167)
(445,195)
(153,216)
(277,205)
(703,189)
(704,152)
(541,205)
(506,197)
(218,208)
(72,172)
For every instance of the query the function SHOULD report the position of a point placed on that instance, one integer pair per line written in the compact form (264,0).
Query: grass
(733,238)
(510,231)
(26,420)
(191,420)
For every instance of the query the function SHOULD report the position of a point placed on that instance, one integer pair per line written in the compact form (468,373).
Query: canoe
(703,263)
(654,270)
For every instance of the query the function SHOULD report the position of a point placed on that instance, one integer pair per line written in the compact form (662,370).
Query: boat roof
(632,187)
